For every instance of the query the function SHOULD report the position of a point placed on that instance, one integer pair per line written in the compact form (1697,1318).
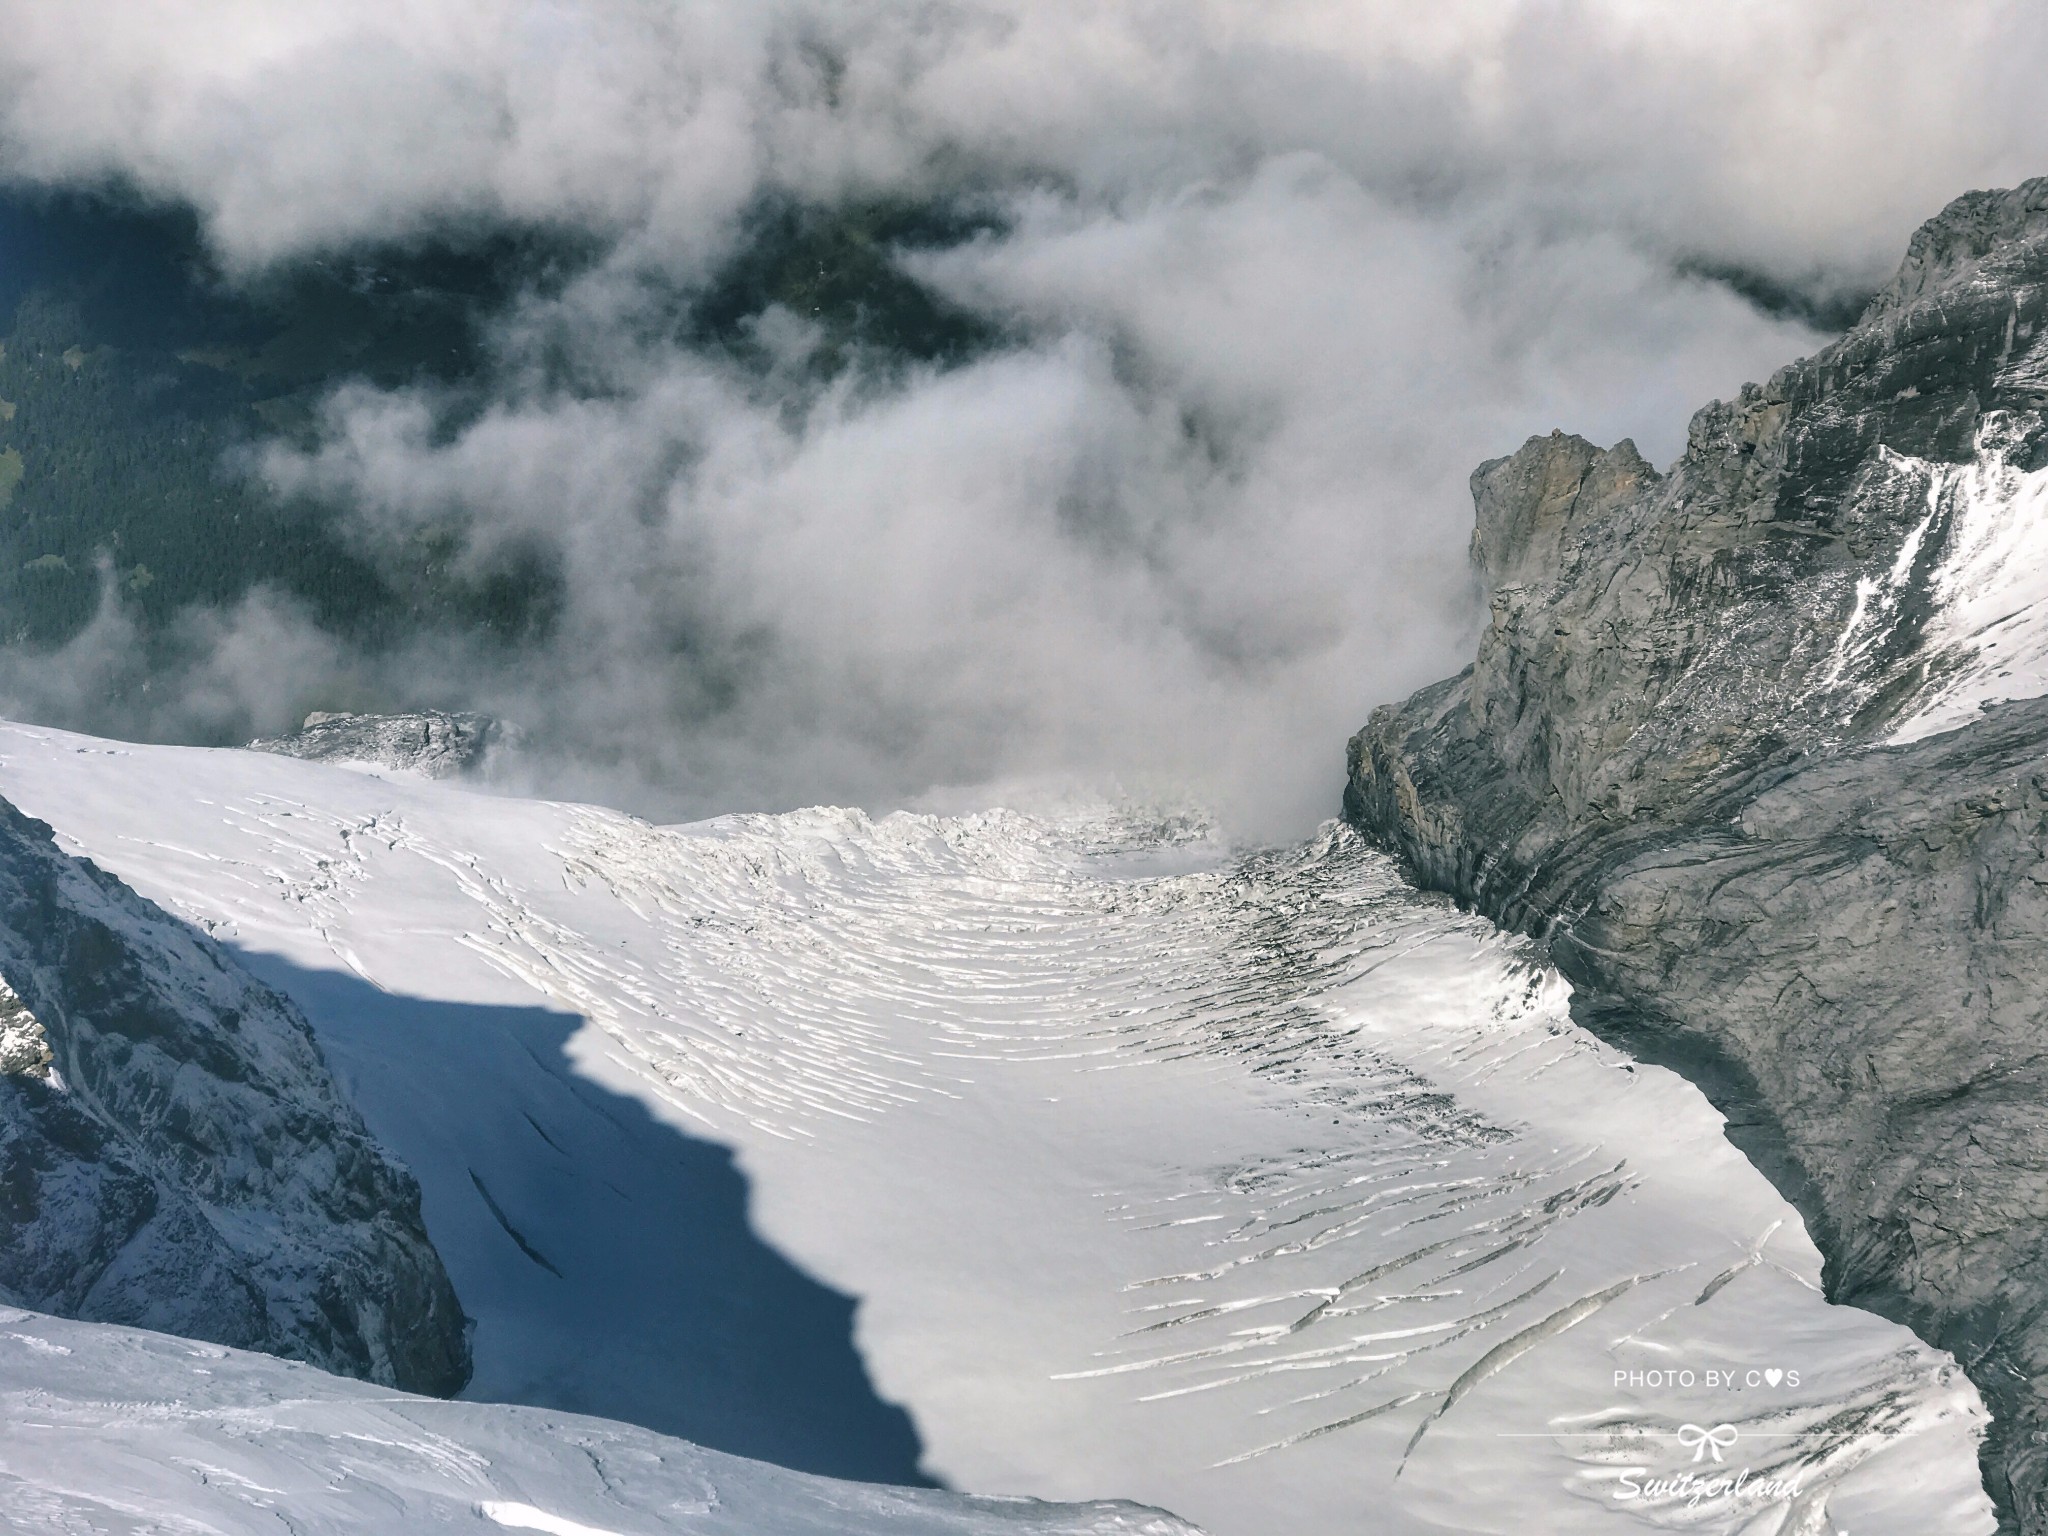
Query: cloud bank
(1272,279)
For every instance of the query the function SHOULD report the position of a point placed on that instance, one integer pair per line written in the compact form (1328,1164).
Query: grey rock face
(175,1155)
(1732,748)
(430,743)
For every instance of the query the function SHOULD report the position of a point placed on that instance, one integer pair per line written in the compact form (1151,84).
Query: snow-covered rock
(174,1152)
(24,1045)
(432,743)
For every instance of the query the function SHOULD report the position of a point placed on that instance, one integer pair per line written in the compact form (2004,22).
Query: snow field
(1250,1185)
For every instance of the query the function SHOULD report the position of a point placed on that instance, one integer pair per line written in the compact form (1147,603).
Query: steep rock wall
(1758,749)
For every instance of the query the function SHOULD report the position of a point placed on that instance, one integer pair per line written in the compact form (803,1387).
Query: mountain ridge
(1755,748)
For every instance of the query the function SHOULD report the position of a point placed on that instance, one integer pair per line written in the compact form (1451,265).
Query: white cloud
(1285,272)
(1789,136)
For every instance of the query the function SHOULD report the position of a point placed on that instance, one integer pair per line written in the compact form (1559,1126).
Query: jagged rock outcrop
(175,1154)
(24,1044)
(1741,747)
(431,743)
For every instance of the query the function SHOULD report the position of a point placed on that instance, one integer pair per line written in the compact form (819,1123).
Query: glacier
(1249,1184)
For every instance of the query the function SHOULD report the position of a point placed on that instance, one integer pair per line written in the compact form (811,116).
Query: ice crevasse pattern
(1227,1181)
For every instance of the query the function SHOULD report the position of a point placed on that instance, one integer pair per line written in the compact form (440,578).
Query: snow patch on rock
(1987,639)
(24,1047)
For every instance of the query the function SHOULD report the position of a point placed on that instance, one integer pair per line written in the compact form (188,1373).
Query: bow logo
(1700,1440)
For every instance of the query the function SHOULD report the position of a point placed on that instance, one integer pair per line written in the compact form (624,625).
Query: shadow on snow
(607,1257)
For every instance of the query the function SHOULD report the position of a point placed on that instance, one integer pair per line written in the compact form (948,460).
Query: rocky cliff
(174,1153)
(431,743)
(1759,750)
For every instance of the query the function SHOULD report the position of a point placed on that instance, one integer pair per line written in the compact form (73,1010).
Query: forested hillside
(136,384)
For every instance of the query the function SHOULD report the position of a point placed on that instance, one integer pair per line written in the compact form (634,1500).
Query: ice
(1248,1184)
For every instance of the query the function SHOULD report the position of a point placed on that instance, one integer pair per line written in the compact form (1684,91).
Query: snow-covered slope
(1959,620)
(1255,1187)
(112,1429)
(1986,637)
